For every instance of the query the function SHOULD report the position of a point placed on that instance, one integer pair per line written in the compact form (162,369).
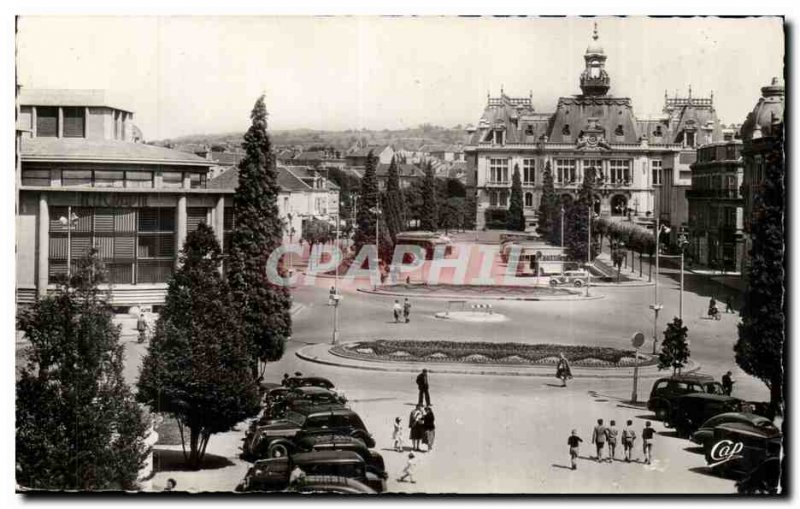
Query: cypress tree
(547,217)
(78,426)
(675,347)
(576,229)
(394,202)
(516,213)
(258,231)
(196,368)
(760,347)
(430,212)
(367,206)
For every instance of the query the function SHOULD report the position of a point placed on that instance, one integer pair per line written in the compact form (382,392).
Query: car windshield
(295,418)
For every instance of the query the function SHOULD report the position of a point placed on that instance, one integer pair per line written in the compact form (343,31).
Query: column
(180,226)
(219,219)
(43,245)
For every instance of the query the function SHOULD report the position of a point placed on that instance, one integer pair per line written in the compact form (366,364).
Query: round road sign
(638,340)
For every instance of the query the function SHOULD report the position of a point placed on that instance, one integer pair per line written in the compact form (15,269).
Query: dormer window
(658,131)
(689,138)
(565,130)
(498,137)
(529,130)
(618,131)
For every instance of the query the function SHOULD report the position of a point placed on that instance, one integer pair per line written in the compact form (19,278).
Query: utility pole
(336,296)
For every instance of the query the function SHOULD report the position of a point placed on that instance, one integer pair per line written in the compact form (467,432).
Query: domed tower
(767,116)
(594,79)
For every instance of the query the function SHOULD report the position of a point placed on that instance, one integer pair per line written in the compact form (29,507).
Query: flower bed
(490,353)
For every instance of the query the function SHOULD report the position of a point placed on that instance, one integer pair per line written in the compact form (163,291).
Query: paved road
(508,434)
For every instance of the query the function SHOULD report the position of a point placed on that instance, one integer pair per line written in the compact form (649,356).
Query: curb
(305,355)
(478,297)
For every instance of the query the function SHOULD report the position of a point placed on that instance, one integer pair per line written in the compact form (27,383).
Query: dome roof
(767,116)
(594,46)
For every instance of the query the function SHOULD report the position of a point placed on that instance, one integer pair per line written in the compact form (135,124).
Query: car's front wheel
(578,283)
(553,283)
(662,413)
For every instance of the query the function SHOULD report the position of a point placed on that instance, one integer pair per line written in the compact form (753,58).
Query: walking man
(406,310)
(647,442)
(422,386)
(141,326)
(729,305)
(574,442)
(612,441)
(397,310)
(727,383)
(628,438)
(599,437)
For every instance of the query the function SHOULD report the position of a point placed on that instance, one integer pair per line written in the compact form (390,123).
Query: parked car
(576,278)
(666,390)
(273,474)
(751,447)
(705,433)
(330,484)
(276,438)
(762,480)
(324,441)
(306,381)
(690,411)
(298,397)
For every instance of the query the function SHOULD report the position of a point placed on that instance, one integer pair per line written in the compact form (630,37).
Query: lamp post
(336,296)
(656,307)
(682,243)
(589,251)
(69,221)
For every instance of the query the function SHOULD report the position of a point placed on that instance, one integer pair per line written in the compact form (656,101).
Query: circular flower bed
(474,352)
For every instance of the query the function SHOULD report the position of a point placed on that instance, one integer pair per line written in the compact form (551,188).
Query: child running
(408,471)
(574,442)
(647,442)
(397,435)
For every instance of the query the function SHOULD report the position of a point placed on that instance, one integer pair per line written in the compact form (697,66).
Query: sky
(186,75)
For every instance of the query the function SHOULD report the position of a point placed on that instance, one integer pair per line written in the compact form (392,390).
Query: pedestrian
(408,470)
(406,310)
(628,438)
(297,476)
(647,442)
(729,305)
(408,280)
(285,380)
(599,437)
(612,441)
(563,371)
(171,483)
(422,386)
(332,296)
(727,383)
(397,308)
(141,326)
(416,425)
(428,422)
(574,442)
(397,435)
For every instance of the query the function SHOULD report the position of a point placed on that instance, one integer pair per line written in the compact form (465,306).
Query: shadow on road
(696,449)
(555,385)
(669,434)
(173,461)
(707,471)
(556,465)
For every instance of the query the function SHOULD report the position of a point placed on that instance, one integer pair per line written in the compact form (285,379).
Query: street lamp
(70,221)
(336,296)
(656,307)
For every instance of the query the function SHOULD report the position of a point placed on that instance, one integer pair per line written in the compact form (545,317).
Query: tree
(516,213)
(430,212)
(576,231)
(760,347)
(451,214)
(394,203)
(675,347)
(258,231)
(196,368)
(548,206)
(78,424)
(367,213)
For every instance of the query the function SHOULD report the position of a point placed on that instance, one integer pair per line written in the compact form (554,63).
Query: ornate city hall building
(643,165)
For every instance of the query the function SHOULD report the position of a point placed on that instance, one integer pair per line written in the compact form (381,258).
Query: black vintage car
(666,390)
(325,441)
(276,438)
(276,405)
(690,411)
(273,474)
(309,381)
(737,449)
(705,433)
(331,485)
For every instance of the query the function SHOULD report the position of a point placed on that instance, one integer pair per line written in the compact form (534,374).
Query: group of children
(602,435)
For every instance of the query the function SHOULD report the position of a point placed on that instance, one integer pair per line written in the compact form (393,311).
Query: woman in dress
(430,427)
(415,422)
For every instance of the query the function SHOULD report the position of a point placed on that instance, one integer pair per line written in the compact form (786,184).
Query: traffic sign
(638,340)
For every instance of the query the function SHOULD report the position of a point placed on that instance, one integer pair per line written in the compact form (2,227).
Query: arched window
(619,205)
(529,199)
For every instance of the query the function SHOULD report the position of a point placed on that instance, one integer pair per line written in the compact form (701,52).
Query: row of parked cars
(305,423)
(737,439)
